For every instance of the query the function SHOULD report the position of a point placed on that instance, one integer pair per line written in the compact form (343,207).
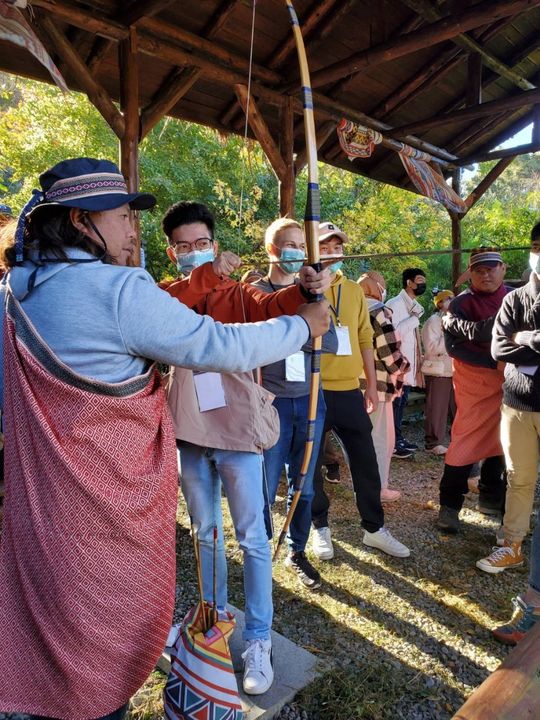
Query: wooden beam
(308,24)
(456,233)
(139,9)
(176,85)
(199,52)
(128,16)
(431,73)
(262,133)
(286,146)
(474,79)
(437,32)
(325,107)
(531,147)
(518,119)
(182,80)
(323,133)
(484,185)
(96,93)
(512,692)
(530,97)
(129,104)
(427,10)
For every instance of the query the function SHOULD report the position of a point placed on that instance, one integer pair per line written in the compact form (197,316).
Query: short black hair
(410,274)
(187,212)
(535,232)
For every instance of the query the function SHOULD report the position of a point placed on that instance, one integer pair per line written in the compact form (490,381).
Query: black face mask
(420,289)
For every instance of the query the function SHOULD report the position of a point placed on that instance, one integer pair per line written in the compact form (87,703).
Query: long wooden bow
(311,229)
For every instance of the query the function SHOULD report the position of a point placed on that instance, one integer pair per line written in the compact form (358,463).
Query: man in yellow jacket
(347,408)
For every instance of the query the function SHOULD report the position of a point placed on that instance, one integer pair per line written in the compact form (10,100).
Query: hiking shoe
(437,450)
(332,473)
(502,558)
(321,543)
(385,541)
(388,495)
(448,520)
(489,507)
(401,452)
(258,668)
(523,619)
(408,445)
(306,573)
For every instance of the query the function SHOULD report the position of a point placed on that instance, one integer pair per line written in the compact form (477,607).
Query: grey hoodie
(107,322)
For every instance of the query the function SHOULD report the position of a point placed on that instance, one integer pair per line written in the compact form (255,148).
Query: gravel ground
(399,639)
(402,639)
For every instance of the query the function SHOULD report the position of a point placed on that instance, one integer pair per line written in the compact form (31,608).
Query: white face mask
(383,292)
(534,262)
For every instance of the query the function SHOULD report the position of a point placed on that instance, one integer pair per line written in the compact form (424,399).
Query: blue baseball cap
(88,184)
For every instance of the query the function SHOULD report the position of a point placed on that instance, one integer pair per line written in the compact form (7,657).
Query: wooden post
(456,233)
(287,184)
(129,104)
(474,79)
(512,692)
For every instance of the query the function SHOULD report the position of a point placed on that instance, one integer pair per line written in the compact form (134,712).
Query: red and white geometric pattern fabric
(87,555)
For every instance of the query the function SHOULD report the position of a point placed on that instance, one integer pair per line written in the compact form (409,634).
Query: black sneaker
(400,451)
(408,445)
(448,520)
(306,573)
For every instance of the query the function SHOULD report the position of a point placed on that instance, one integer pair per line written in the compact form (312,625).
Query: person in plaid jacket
(390,366)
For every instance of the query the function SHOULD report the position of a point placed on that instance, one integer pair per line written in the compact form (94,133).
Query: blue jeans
(288,452)
(399,404)
(203,470)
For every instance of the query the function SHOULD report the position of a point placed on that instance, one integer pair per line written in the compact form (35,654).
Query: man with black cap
(468,329)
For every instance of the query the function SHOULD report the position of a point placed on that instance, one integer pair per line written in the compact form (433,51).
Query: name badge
(209,391)
(295,367)
(344,341)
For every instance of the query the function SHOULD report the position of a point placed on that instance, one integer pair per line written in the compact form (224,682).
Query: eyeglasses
(182,248)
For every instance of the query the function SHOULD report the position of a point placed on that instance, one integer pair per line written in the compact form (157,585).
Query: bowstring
(246,126)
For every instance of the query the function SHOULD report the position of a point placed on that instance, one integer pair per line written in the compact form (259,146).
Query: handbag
(201,682)
(433,367)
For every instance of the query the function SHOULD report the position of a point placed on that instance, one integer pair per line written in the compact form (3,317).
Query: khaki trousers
(520,439)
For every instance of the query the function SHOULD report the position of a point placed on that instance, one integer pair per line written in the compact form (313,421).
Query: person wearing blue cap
(87,558)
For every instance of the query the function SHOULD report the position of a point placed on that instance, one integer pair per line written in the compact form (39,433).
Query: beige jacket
(249,422)
(437,362)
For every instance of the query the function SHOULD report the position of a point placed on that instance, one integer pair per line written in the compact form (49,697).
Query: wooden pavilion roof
(451,77)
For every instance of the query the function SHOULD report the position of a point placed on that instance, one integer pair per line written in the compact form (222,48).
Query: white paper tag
(344,341)
(295,367)
(209,389)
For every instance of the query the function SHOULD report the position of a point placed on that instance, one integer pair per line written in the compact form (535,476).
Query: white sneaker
(258,670)
(321,543)
(385,541)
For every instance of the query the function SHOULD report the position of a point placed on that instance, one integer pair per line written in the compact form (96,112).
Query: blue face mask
(288,255)
(534,262)
(334,267)
(189,261)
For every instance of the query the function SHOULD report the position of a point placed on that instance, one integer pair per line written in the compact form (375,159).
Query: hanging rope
(246,126)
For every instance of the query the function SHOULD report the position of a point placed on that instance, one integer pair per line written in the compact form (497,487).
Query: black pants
(347,416)
(492,485)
